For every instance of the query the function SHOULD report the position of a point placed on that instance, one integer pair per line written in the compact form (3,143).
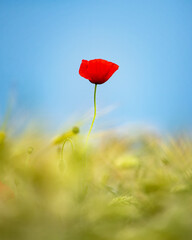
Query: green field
(119,187)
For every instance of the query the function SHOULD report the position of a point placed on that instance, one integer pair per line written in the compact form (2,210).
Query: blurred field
(120,187)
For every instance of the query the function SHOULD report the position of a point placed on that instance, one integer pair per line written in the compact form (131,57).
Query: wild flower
(97,71)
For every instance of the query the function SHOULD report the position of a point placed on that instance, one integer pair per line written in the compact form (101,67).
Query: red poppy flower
(97,71)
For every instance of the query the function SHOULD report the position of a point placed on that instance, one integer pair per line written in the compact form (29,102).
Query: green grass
(118,188)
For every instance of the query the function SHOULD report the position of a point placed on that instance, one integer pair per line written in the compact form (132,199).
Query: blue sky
(43,42)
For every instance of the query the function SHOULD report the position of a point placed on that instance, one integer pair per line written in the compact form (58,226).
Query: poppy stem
(62,164)
(94,113)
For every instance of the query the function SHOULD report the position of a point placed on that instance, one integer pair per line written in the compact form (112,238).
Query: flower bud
(61,138)
(75,130)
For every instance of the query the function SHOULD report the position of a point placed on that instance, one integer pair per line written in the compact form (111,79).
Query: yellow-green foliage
(2,137)
(117,188)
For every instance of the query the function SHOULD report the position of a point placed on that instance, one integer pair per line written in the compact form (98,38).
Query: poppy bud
(30,150)
(75,130)
(61,138)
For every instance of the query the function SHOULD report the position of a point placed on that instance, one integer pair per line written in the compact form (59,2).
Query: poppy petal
(83,69)
(114,67)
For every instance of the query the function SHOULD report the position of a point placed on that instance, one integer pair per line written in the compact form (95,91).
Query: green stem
(62,164)
(94,113)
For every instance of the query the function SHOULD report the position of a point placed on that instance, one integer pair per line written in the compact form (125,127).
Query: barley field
(117,187)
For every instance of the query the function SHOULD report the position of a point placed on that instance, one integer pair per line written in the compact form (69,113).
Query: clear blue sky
(42,43)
